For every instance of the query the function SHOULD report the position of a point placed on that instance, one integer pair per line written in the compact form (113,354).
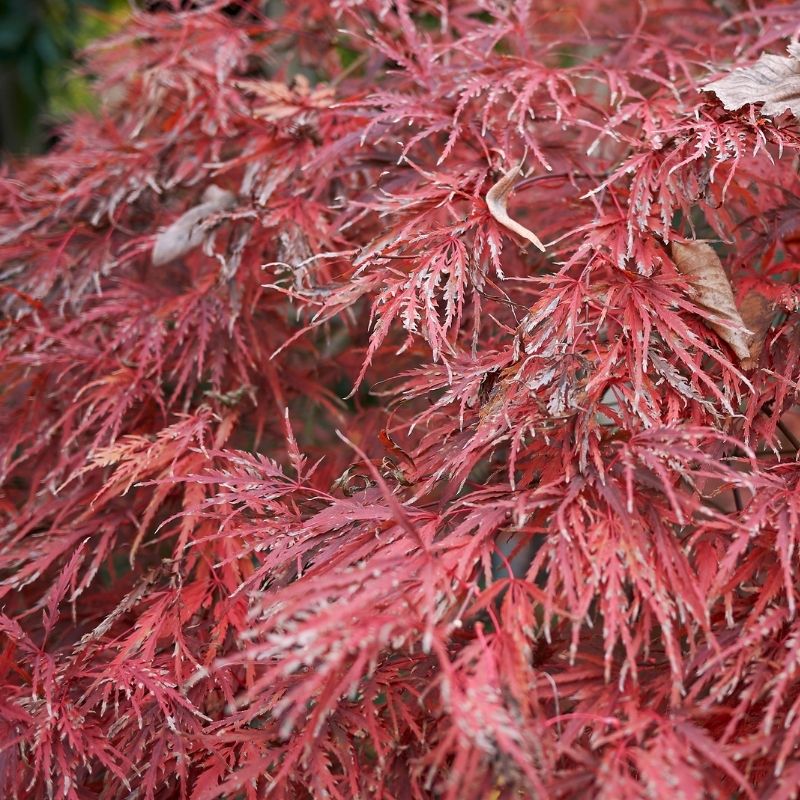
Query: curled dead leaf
(187,232)
(497,201)
(712,290)
(399,465)
(772,80)
(352,481)
(757,314)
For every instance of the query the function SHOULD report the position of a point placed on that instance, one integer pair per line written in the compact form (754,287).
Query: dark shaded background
(38,41)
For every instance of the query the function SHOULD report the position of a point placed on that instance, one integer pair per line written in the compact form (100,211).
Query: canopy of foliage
(321,480)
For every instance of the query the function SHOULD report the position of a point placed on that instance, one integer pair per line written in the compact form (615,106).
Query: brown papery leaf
(712,290)
(757,314)
(772,80)
(497,200)
(187,232)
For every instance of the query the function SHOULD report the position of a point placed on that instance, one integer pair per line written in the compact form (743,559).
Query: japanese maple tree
(399,401)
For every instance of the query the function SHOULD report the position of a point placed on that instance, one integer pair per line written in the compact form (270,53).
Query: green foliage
(37,43)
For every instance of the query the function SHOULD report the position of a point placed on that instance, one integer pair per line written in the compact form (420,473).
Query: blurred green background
(39,41)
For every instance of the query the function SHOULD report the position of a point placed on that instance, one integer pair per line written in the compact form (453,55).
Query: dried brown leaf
(187,231)
(497,200)
(772,80)
(712,290)
(757,314)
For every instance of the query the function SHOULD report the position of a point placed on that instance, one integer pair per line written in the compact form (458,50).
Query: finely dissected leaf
(497,201)
(772,80)
(701,265)
(187,232)
(278,101)
(554,552)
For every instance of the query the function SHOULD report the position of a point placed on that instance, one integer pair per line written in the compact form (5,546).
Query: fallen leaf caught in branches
(772,80)
(712,290)
(497,199)
(756,312)
(187,232)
